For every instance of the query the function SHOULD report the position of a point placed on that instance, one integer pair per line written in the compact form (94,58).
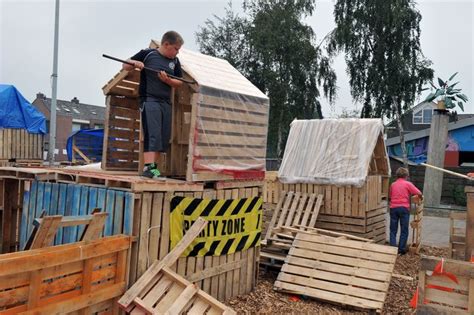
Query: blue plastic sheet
(89,141)
(17,112)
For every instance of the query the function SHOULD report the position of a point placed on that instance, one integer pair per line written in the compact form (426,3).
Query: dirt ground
(264,300)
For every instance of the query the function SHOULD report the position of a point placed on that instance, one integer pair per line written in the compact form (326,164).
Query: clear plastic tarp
(231,133)
(330,151)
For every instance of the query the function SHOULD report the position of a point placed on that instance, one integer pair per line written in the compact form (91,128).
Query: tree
(277,53)
(381,42)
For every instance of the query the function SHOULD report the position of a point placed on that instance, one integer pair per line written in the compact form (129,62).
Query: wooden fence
(72,200)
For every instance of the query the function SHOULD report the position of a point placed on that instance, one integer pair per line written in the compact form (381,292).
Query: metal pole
(54,76)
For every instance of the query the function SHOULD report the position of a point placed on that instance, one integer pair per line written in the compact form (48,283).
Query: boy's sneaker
(150,171)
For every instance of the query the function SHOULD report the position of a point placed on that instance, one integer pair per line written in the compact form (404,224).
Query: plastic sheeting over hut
(334,152)
(219,127)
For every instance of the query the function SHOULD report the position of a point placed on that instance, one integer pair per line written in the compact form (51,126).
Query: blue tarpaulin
(17,112)
(89,141)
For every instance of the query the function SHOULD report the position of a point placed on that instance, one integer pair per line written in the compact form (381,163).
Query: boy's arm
(171,82)
(136,64)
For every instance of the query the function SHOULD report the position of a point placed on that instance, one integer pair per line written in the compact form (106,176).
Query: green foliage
(349,113)
(447,93)
(459,195)
(276,51)
(381,43)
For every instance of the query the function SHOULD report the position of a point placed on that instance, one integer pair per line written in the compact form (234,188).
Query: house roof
(332,151)
(469,121)
(214,72)
(74,108)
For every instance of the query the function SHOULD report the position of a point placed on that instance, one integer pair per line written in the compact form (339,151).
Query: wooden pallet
(441,295)
(276,250)
(173,294)
(148,280)
(457,235)
(416,225)
(86,276)
(341,271)
(20,144)
(46,228)
(295,209)
(124,180)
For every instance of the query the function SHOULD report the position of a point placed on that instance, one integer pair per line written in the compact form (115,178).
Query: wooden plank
(183,299)
(315,211)
(330,296)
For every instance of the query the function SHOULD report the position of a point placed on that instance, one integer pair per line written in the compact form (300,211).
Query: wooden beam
(470,223)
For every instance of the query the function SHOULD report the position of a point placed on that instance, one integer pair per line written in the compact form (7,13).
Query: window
(98,126)
(79,126)
(423,116)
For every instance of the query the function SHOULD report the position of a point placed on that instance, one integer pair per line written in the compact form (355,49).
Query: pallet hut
(217,152)
(22,128)
(219,124)
(346,161)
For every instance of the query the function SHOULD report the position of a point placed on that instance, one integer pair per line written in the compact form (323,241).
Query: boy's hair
(172,37)
(402,172)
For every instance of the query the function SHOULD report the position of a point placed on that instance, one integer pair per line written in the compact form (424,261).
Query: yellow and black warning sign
(234,224)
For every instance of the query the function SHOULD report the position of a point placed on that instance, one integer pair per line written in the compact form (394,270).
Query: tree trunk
(433,184)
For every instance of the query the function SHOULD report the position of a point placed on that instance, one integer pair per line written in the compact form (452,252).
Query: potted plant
(448,97)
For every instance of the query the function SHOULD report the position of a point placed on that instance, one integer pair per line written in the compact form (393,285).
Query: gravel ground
(264,300)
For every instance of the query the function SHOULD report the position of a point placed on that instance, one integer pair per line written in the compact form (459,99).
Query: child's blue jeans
(403,215)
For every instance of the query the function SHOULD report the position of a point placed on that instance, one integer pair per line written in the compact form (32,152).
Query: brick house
(70,116)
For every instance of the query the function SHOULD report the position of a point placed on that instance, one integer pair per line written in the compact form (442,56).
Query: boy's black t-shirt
(150,83)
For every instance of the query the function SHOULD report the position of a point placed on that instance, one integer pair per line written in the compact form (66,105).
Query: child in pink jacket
(400,193)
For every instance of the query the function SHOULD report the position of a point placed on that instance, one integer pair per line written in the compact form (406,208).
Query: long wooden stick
(447,171)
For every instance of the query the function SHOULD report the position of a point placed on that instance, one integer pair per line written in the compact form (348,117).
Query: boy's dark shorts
(156,121)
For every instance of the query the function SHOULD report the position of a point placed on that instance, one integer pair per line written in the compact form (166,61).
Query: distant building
(70,116)
(416,125)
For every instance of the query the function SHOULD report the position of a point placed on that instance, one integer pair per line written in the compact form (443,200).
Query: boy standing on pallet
(155,96)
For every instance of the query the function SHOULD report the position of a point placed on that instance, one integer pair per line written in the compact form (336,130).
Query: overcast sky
(89,28)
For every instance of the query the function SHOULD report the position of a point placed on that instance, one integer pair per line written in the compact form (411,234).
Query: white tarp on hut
(330,151)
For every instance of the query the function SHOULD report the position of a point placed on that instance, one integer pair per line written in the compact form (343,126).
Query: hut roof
(215,73)
(334,152)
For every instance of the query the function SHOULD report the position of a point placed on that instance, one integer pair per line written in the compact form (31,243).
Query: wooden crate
(216,134)
(20,145)
(440,294)
(337,270)
(347,209)
(457,235)
(64,279)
